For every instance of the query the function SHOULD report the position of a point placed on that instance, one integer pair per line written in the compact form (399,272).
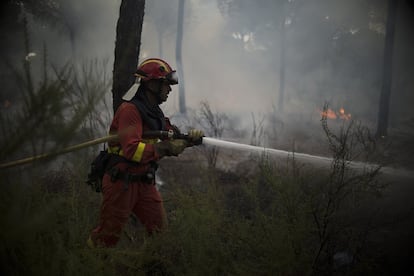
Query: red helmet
(154,69)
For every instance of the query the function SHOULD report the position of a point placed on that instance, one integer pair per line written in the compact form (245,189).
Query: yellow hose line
(59,152)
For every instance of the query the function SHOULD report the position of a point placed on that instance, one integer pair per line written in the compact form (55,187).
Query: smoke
(334,54)
(231,52)
(86,30)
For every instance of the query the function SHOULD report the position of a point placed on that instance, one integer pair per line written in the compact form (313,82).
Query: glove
(170,147)
(195,135)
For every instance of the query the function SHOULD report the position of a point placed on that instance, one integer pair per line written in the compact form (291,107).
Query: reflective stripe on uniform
(139,152)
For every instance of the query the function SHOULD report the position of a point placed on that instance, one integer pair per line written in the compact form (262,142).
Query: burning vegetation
(333,115)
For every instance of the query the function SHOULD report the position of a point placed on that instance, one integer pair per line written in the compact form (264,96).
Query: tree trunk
(282,65)
(383,112)
(127,44)
(178,49)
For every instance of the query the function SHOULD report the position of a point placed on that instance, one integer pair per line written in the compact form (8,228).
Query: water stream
(307,158)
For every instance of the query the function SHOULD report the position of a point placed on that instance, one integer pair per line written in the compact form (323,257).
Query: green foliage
(193,242)
(269,231)
(272,240)
(227,226)
(61,109)
(43,225)
(46,213)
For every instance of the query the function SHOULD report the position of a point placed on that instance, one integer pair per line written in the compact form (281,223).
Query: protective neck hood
(131,91)
(152,115)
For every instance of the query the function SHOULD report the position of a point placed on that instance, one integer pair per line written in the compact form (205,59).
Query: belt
(116,173)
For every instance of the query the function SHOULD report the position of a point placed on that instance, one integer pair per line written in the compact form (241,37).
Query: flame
(331,114)
(343,115)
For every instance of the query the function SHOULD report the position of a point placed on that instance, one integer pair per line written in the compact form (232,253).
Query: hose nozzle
(164,134)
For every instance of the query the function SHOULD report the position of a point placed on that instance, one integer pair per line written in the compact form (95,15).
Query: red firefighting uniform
(141,198)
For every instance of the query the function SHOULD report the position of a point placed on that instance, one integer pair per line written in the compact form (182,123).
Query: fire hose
(147,134)
(315,159)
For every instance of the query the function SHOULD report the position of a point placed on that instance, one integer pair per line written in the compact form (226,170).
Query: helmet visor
(172,78)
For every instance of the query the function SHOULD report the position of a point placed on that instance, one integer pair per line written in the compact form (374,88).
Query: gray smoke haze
(88,32)
(334,54)
(231,54)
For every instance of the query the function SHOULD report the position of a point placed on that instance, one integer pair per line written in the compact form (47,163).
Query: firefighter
(128,185)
